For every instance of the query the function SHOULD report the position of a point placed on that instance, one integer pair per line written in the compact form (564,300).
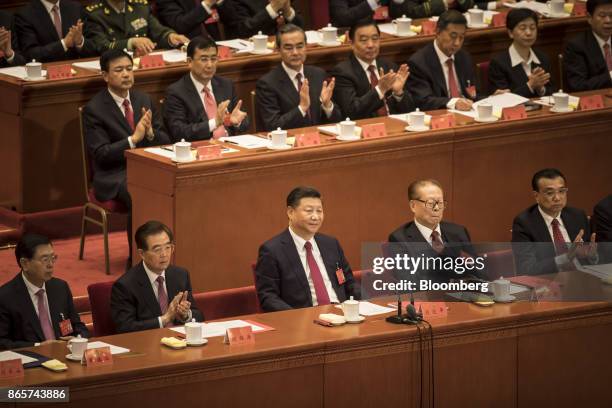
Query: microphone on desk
(399,317)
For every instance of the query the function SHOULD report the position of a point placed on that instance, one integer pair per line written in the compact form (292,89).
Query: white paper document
(171,56)
(573,101)
(371,309)
(19,72)
(114,349)
(504,100)
(333,130)
(313,37)
(405,117)
(216,329)
(11,355)
(387,28)
(603,271)
(92,65)
(236,44)
(247,141)
(541,8)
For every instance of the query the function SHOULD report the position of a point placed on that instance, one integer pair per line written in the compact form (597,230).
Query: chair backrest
(500,263)
(482,73)
(226,303)
(87,170)
(319,13)
(561,71)
(99,298)
(253,112)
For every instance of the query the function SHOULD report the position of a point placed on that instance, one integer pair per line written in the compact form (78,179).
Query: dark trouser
(124,197)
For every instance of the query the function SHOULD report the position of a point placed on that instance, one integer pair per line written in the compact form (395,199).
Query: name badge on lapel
(340,275)
(139,23)
(65,326)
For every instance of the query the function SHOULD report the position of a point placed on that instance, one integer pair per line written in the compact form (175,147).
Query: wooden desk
(222,210)
(41,130)
(510,355)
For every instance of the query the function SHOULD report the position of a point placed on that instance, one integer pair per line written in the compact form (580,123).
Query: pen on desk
(234,143)
(168,148)
(322,323)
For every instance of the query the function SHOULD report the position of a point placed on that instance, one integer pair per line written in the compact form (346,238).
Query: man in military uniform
(128,24)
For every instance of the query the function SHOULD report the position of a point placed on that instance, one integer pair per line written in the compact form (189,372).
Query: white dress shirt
(299,244)
(208,8)
(273,14)
(153,279)
(119,101)
(516,59)
(601,43)
(49,6)
(32,290)
(426,232)
(212,122)
(559,259)
(443,57)
(293,76)
(365,67)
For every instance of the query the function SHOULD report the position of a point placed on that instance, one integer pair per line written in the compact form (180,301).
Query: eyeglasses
(432,203)
(551,193)
(47,259)
(162,249)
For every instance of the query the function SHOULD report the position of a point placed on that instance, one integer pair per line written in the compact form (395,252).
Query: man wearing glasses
(542,232)
(202,105)
(428,236)
(35,307)
(295,95)
(153,294)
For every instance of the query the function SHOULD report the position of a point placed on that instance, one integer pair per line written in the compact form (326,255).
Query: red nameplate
(209,152)
(471,91)
(308,139)
(516,112)
(65,327)
(579,9)
(224,52)
(346,39)
(340,276)
(499,20)
(373,131)
(214,17)
(431,309)
(442,121)
(11,369)
(239,336)
(381,13)
(151,61)
(428,27)
(59,71)
(591,102)
(98,357)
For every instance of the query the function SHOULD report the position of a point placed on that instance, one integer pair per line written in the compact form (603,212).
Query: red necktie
(210,106)
(57,21)
(382,111)
(129,115)
(608,55)
(436,242)
(298,77)
(453,89)
(43,316)
(317,278)
(162,296)
(560,244)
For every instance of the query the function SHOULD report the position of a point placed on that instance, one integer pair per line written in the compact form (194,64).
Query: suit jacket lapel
(436,70)
(285,82)
(540,228)
(171,284)
(117,113)
(26,304)
(44,18)
(53,296)
(595,51)
(571,226)
(363,82)
(330,263)
(294,259)
(146,291)
(194,99)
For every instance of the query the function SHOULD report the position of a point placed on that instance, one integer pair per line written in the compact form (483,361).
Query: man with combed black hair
(202,105)
(549,234)
(442,74)
(368,86)
(154,293)
(35,307)
(301,267)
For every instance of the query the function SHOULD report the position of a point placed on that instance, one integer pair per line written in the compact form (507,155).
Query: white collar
(48,5)
(119,99)
(365,65)
(200,86)
(426,231)
(32,289)
(442,56)
(516,59)
(300,242)
(292,73)
(152,275)
(548,219)
(600,40)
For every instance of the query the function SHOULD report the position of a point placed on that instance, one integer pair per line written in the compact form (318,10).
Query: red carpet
(78,274)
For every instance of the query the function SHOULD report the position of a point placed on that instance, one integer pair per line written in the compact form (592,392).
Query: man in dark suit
(294,95)
(587,60)
(251,16)
(35,307)
(442,74)
(9,56)
(541,233)
(300,267)
(347,13)
(368,86)
(522,70)
(153,294)
(50,30)
(195,18)
(202,105)
(428,236)
(602,226)
(115,120)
